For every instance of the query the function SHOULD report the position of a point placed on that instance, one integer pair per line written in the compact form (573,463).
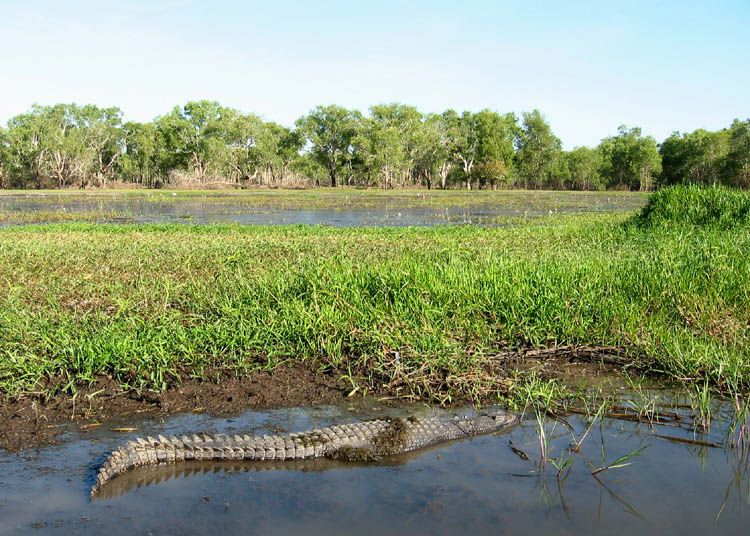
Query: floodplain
(339,208)
(403,307)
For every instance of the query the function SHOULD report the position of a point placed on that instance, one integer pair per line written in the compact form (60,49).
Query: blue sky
(588,66)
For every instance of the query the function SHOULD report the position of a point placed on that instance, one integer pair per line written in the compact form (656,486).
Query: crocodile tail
(143,452)
(118,462)
(152,451)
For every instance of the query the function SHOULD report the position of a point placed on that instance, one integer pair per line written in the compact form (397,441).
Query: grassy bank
(420,311)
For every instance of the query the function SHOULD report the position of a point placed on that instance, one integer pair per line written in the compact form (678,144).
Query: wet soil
(33,421)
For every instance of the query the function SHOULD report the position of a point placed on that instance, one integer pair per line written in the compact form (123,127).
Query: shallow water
(341,212)
(477,486)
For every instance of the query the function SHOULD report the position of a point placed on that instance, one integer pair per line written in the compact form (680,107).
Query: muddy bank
(32,421)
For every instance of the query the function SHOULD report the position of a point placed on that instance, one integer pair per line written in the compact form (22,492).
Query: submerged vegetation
(436,313)
(321,205)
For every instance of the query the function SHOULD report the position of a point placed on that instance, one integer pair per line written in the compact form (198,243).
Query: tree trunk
(444,171)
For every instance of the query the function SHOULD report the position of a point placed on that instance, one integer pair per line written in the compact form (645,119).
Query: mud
(33,421)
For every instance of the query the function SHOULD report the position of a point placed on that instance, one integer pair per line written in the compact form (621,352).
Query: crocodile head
(487,422)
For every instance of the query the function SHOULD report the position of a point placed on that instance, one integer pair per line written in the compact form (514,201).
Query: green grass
(694,205)
(56,216)
(415,311)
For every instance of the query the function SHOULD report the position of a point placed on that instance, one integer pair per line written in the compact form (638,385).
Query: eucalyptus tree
(60,144)
(394,146)
(330,131)
(198,138)
(102,134)
(538,151)
(495,135)
(695,157)
(582,169)
(389,143)
(307,167)
(432,156)
(463,141)
(24,153)
(675,154)
(737,161)
(5,176)
(630,159)
(276,149)
(241,134)
(140,162)
(408,122)
(65,145)
(379,153)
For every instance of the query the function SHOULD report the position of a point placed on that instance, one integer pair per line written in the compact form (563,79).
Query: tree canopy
(630,160)
(392,146)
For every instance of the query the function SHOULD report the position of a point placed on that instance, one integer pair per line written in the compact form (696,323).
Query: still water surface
(352,211)
(477,486)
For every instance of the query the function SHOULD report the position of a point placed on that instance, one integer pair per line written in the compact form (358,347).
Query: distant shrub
(696,205)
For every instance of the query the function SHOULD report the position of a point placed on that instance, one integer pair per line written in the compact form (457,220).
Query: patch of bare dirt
(30,422)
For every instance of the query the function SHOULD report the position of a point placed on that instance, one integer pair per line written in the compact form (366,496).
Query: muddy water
(477,486)
(374,211)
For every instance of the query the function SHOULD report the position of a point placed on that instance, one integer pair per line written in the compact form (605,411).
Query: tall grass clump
(717,206)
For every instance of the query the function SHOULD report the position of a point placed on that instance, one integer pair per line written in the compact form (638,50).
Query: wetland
(165,312)
(347,208)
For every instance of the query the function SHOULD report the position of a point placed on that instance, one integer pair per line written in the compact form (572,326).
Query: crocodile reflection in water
(153,475)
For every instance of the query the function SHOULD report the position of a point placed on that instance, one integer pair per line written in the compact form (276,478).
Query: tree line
(393,146)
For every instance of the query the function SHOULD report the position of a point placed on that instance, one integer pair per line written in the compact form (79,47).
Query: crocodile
(360,441)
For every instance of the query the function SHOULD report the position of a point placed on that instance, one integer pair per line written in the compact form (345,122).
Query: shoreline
(33,420)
